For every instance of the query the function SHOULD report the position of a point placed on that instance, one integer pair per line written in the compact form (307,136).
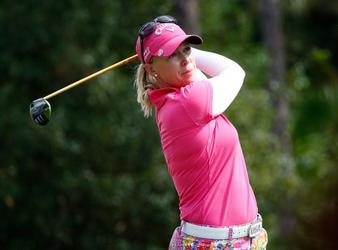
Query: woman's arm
(226,78)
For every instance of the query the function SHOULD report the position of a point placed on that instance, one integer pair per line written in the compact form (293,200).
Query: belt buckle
(255,229)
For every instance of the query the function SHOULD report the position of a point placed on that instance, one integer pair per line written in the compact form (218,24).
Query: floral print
(182,241)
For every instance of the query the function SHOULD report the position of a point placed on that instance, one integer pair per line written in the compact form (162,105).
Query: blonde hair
(143,82)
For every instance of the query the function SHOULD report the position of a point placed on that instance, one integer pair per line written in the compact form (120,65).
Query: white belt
(223,233)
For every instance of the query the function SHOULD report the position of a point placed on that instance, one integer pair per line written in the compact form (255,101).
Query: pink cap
(164,41)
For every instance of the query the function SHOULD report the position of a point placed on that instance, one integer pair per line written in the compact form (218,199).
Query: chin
(192,78)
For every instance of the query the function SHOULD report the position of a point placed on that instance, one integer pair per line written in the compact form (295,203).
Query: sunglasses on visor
(149,27)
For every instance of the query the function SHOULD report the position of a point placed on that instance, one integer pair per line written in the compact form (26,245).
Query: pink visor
(164,41)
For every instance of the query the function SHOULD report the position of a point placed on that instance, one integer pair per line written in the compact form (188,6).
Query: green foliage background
(95,177)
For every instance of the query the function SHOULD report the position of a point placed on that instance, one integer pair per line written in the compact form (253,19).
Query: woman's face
(177,70)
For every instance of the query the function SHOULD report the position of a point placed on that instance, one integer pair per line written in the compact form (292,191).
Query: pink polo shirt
(204,157)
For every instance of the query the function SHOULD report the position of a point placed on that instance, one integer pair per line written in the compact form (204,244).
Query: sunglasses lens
(147,29)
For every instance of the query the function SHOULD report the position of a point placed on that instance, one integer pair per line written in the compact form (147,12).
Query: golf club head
(40,111)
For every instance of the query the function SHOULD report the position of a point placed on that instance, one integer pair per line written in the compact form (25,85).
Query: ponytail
(142,85)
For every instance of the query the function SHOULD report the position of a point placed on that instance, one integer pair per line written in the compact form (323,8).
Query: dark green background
(95,177)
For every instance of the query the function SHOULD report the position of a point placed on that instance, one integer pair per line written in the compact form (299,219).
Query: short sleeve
(196,98)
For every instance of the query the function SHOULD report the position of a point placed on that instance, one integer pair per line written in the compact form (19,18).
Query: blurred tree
(313,77)
(188,15)
(273,38)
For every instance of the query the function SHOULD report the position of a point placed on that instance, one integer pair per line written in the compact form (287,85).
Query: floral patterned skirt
(182,241)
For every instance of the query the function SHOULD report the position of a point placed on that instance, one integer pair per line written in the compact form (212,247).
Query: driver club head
(40,111)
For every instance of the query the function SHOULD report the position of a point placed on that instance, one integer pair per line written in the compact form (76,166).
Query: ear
(150,69)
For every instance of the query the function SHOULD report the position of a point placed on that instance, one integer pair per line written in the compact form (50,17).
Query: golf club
(40,109)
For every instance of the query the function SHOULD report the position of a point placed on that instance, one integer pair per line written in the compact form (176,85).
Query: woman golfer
(218,208)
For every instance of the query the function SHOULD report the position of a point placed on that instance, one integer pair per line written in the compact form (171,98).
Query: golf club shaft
(103,71)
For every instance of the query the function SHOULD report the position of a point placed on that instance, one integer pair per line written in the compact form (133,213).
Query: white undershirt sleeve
(226,78)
